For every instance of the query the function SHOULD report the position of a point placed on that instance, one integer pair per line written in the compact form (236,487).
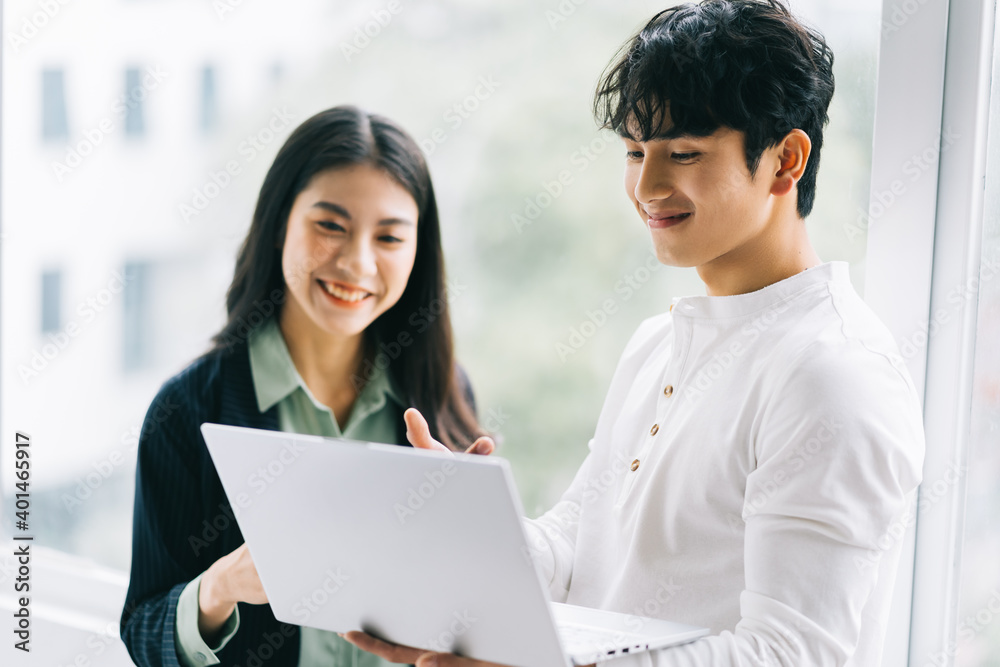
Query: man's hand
(419,435)
(409,655)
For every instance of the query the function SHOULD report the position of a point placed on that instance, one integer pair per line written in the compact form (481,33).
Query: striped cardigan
(183,521)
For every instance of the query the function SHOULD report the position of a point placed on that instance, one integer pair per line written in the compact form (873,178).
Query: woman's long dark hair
(424,368)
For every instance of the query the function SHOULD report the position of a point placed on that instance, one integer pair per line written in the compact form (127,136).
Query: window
(135,95)
(209,104)
(978,640)
(136,335)
(51,301)
(54,124)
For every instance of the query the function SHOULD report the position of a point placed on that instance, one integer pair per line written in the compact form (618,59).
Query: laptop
(416,547)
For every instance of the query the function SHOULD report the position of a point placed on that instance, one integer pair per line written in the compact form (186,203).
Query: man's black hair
(745,64)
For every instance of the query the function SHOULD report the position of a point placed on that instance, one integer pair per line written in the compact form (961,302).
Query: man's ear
(793,156)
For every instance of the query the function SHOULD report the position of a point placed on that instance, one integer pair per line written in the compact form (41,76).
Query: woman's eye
(331,226)
(390,239)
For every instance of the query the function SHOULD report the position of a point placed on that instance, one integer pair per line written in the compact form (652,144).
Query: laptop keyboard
(602,641)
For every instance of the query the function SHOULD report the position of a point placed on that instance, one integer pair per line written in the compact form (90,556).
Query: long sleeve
(166,514)
(839,453)
(552,536)
(192,649)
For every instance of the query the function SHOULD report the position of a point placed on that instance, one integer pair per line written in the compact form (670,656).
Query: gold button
(669,389)
(656,427)
(635,465)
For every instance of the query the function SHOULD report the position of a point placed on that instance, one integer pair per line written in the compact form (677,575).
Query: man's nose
(654,182)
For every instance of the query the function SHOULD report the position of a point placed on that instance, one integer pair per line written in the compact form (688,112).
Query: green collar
(275,376)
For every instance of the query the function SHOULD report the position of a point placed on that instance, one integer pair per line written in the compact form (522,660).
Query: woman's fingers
(418,433)
(483,446)
(244,580)
(384,650)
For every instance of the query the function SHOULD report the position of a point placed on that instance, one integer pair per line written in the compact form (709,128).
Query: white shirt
(752,470)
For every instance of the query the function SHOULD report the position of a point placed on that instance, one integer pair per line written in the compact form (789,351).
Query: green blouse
(374,418)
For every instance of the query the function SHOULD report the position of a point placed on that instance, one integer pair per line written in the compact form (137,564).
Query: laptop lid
(420,548)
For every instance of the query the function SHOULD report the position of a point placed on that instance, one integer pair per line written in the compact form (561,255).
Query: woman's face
(350,244)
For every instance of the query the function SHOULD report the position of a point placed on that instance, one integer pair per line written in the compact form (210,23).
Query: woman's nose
(356,258)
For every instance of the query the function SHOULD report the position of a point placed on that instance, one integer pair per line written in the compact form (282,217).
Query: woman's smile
(344,295)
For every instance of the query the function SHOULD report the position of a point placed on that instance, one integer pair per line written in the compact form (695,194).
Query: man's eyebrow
(674,133)
(667,135)
(341,211)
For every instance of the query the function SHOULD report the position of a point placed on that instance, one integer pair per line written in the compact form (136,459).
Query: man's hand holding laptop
(419,435)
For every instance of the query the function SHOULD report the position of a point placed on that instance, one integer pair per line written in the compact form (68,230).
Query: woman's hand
(408,655)
(231,579)
(419,435)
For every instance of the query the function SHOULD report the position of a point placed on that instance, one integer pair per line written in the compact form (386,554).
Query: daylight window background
(136,136)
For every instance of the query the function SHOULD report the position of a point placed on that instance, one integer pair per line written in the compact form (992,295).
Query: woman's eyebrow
(333,208)
(341,211)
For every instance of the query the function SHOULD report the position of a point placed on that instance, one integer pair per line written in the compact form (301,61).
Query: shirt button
(669,389)
(656,427)
(201,656)
(635,465)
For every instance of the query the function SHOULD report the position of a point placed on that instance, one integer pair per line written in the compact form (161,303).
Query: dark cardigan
(183,521)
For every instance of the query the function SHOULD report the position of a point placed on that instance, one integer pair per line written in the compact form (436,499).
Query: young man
(764,440)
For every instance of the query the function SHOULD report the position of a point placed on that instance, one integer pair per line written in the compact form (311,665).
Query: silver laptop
(420,548)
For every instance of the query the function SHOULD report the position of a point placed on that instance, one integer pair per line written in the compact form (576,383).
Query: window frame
(934,75)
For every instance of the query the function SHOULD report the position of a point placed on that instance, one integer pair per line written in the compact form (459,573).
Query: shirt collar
(275,376)
(738,305)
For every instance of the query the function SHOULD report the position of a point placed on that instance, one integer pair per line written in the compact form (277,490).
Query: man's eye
(634,155)
(683,157)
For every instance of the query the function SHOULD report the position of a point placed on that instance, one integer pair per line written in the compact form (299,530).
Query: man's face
(696,196)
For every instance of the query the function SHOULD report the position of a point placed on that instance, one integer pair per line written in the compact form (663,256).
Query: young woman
(328,333)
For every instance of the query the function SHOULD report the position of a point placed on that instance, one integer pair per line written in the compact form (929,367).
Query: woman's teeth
(343,295)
